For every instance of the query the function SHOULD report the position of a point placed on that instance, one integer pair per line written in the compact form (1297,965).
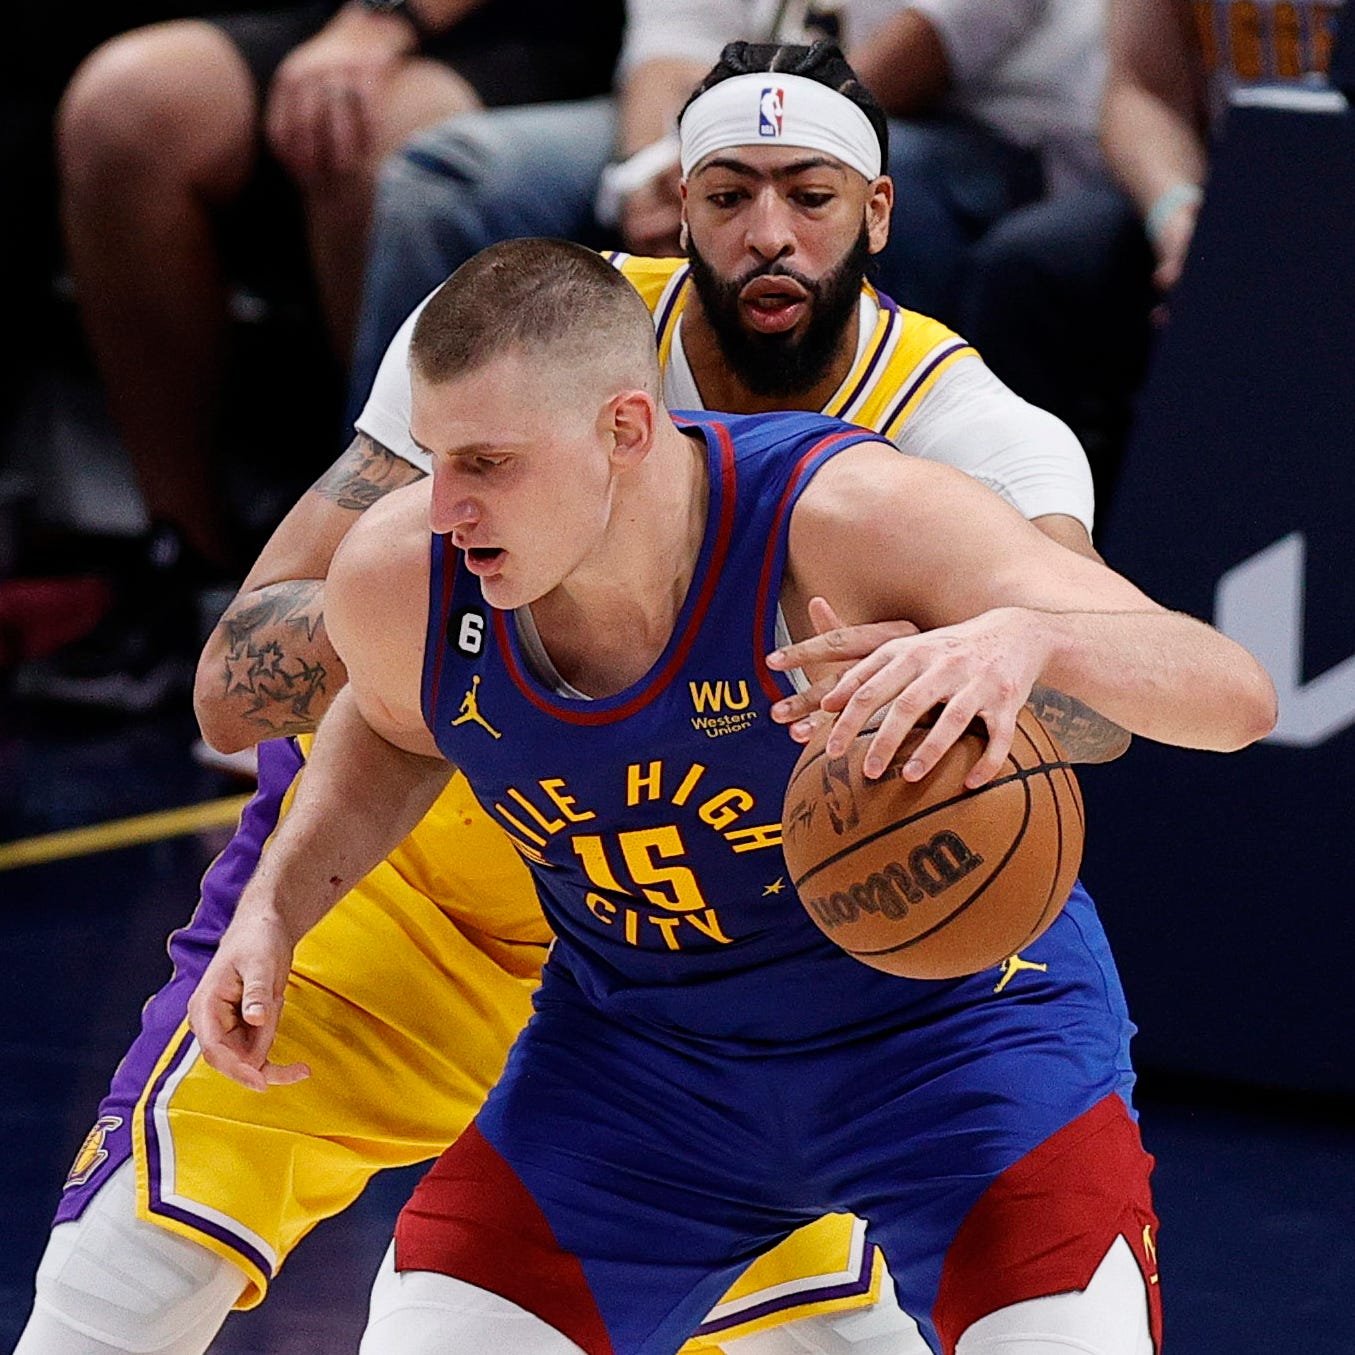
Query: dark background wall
(1228,883)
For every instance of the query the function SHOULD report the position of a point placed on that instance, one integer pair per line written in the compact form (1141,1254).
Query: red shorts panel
(1047,1222)
(454,1225)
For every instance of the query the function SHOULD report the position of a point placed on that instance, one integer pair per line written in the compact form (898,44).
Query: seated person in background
(510,172)
(1011,227)
(276,120)
(992,107)
(1173,67)
(437,951)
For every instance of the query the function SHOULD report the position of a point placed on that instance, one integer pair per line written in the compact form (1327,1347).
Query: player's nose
(450,508)
(768,231)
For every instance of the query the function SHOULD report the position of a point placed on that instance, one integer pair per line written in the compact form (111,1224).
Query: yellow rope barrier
(107,837)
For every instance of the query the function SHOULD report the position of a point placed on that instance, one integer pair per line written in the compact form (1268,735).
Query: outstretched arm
(268,669)
(1001,609)
(373,773)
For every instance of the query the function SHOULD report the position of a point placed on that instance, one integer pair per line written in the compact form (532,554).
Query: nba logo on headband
(770,111)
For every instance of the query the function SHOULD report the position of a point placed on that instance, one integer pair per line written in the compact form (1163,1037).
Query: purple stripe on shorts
(158,1205)
(190,948)
(821,1294)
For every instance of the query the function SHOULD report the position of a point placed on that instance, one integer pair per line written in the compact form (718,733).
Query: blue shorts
(620,1177)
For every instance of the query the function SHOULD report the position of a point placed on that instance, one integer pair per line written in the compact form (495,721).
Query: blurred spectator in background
(178,140)
(1007,223)
(1174,66)
(993,107)
(603,172)
(1155,122)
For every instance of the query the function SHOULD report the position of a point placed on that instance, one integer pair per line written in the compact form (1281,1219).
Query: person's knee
(1111,1316)
(124,1284)
(419,1312)
(169,101)
(915,153)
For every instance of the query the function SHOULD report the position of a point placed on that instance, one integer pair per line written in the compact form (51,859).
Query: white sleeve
(385,416)
(971,421)
(693,30)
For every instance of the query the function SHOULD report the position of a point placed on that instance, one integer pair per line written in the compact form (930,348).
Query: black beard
(777,366)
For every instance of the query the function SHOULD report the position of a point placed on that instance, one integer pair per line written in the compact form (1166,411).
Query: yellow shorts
(403,1001)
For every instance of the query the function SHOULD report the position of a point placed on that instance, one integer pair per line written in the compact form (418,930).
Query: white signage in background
(1259,603)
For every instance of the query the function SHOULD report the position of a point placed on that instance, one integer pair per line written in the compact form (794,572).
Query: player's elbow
(1266,705)
(219,725)
(1254,707)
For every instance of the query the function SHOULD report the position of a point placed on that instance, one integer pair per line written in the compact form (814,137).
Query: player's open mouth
(483,559)
(773,304)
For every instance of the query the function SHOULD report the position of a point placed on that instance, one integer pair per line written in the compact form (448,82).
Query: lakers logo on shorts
(92,1152)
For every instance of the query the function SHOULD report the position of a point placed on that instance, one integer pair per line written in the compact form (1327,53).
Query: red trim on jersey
(451,562)
(473,1219)
(588,713)
(769,685)
(1046,1223)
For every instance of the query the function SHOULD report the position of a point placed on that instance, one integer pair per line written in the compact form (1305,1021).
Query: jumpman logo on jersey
(470,708)
(1012,965)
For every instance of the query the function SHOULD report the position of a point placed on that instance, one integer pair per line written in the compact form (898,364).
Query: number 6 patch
(466,630)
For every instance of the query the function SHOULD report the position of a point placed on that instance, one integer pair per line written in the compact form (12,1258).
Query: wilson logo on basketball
(721,707)
(933,867)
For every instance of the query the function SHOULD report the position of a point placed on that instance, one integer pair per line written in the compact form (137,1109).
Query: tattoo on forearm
(280,669)
(1084,735)
(366,472)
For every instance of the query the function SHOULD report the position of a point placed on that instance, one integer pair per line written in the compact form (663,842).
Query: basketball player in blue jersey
(158,1190)
(704,1072)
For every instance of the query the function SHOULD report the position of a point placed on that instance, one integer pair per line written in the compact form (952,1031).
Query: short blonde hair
(548,299)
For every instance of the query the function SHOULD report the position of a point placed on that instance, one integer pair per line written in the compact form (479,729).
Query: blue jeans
(952,181)
(465,184)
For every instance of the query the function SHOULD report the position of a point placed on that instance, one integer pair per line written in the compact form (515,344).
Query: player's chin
(508,590)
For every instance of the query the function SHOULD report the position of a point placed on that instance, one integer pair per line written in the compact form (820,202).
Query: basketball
(927,879)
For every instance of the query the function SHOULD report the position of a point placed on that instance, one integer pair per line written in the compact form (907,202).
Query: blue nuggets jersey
(651,819)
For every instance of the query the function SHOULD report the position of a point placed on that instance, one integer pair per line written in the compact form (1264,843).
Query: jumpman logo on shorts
(470,708)
(1150,1251)
(1012,965)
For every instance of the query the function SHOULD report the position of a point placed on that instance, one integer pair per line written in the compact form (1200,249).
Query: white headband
(778,110)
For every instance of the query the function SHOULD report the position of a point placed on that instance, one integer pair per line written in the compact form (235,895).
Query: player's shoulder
(750,431)
(390,540)
(866,478)
(652,278)
(750,439)
(376,592)
(920,348)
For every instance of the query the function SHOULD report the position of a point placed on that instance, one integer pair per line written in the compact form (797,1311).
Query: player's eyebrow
(747,171)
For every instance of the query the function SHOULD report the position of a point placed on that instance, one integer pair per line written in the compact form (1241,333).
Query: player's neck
(607,624)
(721,386)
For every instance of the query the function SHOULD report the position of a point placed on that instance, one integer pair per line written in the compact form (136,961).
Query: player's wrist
(1174,198)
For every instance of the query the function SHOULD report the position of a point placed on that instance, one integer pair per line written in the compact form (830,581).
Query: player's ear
(879,205)
(632,416)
